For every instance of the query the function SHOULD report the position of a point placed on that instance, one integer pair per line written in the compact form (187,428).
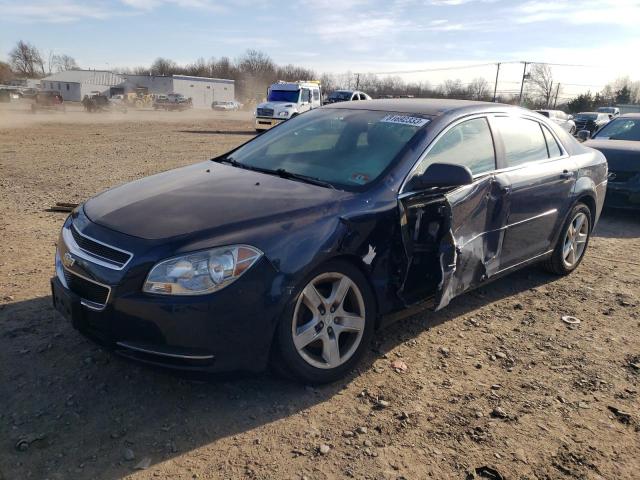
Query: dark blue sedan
(293,248)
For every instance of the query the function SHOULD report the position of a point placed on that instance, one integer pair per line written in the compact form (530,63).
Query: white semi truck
(286,100)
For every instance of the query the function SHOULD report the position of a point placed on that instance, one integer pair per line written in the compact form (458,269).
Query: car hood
(278,107)
(622,155)
(204,196)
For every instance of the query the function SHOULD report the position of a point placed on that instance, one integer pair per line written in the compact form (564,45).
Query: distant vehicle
(226,106)
(29,92)
(590,121)
(613,112)
(561,118)
(619,140)
(172,102)
(48,100)
(286,100)
(98,102)
(346,96)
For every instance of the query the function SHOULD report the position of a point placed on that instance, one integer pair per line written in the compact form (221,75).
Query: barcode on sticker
(405,120)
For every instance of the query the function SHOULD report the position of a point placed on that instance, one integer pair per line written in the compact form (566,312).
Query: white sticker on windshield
(405,120)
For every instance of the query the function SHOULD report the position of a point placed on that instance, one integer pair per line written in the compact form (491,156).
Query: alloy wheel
(328,320)
(575,240)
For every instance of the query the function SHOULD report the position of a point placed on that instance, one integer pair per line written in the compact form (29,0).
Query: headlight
(201,272)
(283,114)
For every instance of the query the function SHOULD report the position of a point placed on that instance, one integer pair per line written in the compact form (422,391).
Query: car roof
(589,113)
(424,106)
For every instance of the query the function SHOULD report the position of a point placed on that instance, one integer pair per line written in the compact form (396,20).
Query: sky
(602,36)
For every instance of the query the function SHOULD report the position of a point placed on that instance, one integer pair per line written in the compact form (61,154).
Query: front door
(541,178)
(453,240)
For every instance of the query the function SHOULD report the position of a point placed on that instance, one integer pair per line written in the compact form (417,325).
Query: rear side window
(552,144)
(469,144)
(523,140)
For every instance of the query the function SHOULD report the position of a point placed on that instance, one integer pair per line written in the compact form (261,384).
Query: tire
(560,262)
(333,335)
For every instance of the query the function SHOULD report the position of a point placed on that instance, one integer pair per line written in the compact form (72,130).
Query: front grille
(86,289)
(265,112)
(99,250)
(621,177)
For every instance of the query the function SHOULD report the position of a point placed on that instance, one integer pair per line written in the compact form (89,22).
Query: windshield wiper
(304,178)
(281,172)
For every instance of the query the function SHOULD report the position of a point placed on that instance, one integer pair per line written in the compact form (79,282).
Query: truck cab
(286,100)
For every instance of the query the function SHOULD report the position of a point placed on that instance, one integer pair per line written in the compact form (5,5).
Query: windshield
(621,129)
(284,96)
(340,96)
(607,110)
(586,116)
(346,148)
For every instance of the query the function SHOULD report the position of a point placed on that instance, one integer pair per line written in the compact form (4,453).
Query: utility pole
(524,75)
(357,80)
(555,102)
(495,87)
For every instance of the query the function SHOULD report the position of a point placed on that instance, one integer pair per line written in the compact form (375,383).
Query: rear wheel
(326,329)
(572,242)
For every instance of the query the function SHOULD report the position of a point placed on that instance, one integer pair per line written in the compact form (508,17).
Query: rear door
(541,177)
(453,240)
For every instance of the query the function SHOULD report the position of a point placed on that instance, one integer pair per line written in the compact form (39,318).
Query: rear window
(523,140)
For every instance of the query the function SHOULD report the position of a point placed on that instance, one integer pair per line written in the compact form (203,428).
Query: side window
(306,95)
(355,97)
(362,97)
(523,140)
(469,143)
(552,144)
(316,94)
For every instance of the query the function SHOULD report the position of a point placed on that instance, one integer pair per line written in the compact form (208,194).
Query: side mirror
(570,117)
(442,175)
(583,135)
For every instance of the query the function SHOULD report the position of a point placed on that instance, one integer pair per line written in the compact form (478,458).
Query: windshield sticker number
(405,120)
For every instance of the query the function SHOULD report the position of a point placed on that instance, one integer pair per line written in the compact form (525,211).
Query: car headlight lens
(283,114)
(201,272)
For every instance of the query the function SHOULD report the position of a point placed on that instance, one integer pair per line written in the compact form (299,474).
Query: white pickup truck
(286,100)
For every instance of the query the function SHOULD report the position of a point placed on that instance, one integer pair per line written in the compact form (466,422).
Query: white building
(75,84)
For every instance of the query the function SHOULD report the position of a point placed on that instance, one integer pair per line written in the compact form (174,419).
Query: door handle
(566,174)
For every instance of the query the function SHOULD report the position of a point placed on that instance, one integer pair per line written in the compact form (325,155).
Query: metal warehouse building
(75,84)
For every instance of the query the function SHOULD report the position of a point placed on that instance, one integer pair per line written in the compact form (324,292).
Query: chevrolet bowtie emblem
(68,260)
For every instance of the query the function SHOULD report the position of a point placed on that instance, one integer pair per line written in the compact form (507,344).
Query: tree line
(254,71)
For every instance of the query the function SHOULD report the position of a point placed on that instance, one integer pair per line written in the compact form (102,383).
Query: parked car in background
(226,106)
(346,96)
(619,140)
(590,121)
(613,112)
(561,118)
(48,100)
(29,92)
(172,102)
(294,247)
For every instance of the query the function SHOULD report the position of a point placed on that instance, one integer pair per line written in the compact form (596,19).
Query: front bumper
(265,123)
(228,330)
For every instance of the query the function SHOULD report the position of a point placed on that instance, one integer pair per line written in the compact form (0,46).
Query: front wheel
(325,330)
(572,242)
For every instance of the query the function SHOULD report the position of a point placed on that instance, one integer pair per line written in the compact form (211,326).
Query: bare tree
(541,78)
(26,60)
(478,89)
(63,62)
(5,73)
(163,66)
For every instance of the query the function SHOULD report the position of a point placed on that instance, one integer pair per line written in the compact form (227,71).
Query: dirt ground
(496,385)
